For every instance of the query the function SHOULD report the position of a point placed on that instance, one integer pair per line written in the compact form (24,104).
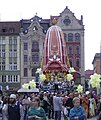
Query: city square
(42,70)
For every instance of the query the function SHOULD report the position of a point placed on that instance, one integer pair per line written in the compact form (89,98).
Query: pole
(100,65)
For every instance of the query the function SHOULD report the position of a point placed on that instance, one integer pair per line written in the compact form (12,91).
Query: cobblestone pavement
(95,118)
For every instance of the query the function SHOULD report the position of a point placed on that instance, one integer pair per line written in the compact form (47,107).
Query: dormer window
(4,30)
(11,30)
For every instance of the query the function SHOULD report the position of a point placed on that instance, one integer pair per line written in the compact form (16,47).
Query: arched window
(77,50)
(70,37)
(70,62)
(35,46)
(77,37)
(70,50)
(77,63)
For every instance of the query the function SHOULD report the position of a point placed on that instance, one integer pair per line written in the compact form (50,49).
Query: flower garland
(31,84)
(80,88)
(95,80)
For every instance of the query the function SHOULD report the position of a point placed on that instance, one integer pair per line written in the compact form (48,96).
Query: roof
(9,28)
(97,55)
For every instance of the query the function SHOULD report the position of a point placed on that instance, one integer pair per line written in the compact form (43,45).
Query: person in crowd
(36,111)
(65,98)
(69,103)
(92,105)
(57,103)
(4,108)
(1,104)
(51,109)
(76,94)
(85,104)
(25,103)
(99,108)
(44,102)
(14,110)
(77,112)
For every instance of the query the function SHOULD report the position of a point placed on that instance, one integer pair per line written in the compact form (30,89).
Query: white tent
(21,90)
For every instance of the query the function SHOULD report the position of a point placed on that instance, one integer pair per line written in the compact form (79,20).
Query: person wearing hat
(14,109)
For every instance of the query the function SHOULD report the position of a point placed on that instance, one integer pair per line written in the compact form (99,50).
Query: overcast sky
(15,10)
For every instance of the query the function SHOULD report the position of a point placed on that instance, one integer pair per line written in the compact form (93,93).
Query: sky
(15,10)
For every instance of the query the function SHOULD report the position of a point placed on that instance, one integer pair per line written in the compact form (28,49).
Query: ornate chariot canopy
(55,53)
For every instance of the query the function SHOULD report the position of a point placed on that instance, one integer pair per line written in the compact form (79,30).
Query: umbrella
(28,90)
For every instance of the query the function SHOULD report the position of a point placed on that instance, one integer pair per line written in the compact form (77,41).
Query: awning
(21,90)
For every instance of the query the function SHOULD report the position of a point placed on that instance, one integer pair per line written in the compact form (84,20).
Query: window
(26,31)
(4,30)
(70,50)
(15,78)
(70,37)
(15,47)
(33,72)
(25,72)
(10,67)
(35,46)
(35,28)
(15,41)
(70,62)
(10,41)
(77,37)
(9,78)
(11,30)
(67,21)
(77,50)
(3,67)
(25,58)
(15,66)
(77,63)
(3,54)
(10,54)
(25,46)
(3,40)
(3,78)
(15,54)
(35,58)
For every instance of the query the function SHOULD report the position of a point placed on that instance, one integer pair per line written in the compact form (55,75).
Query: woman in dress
(35,111)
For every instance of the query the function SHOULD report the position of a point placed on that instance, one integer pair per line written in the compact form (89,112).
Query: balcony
(35,50)
(34,64)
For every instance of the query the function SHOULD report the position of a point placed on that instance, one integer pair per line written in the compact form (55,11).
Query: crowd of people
(47,105)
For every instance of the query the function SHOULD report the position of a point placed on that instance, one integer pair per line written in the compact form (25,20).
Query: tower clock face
(67,21)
